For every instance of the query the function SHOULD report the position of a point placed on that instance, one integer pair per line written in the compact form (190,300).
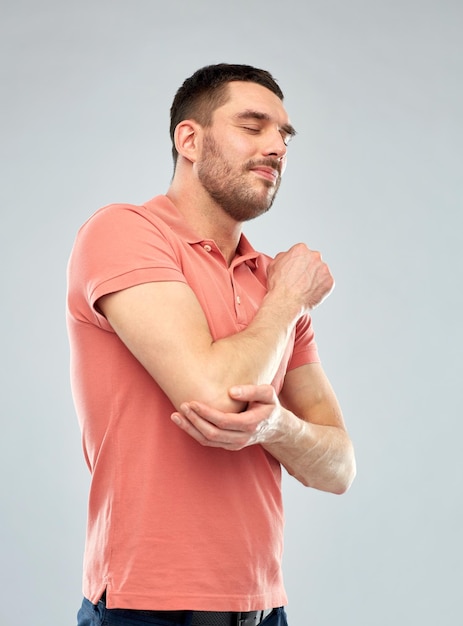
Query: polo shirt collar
(168,212)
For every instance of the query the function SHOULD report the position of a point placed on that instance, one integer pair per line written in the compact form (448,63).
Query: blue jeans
(98,615)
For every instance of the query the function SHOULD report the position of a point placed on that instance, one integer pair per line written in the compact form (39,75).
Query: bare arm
(305,431)
(165,328)
(315,448)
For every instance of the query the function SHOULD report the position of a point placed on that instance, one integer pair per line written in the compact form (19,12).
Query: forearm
(253,355)
(297,282)
(179,351)
(318,456)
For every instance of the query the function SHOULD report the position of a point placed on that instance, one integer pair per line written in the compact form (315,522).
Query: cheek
(239,148)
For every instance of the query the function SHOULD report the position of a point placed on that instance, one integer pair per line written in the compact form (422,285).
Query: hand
(260,422)
(301,275)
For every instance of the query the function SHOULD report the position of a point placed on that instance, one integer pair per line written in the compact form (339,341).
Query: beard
(232,190)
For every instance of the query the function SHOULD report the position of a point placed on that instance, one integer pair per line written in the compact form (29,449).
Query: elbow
(344,477)
(344,483)
(216,397)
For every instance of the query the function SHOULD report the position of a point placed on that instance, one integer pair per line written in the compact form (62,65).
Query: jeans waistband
(207,618)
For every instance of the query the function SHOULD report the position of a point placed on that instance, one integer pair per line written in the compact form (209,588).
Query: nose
(275,145)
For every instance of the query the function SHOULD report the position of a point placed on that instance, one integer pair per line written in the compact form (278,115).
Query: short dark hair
(206,90)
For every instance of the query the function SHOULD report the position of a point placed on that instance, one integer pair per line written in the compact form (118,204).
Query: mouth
(264,171)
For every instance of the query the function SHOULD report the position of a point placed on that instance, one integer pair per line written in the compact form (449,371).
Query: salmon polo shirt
(171,524)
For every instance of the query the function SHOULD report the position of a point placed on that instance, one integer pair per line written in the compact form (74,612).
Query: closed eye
(287,131)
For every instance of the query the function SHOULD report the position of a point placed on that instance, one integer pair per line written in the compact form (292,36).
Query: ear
(186,138)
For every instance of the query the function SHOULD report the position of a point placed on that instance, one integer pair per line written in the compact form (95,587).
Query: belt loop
(243,621)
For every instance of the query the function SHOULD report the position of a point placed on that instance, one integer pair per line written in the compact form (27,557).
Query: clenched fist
(301,276)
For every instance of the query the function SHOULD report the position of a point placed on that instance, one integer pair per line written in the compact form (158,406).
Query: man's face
(243,153)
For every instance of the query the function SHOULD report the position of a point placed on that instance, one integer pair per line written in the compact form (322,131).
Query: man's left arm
(303,428)
(314,445)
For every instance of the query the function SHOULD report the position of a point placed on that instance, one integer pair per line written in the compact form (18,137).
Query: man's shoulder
(123,215)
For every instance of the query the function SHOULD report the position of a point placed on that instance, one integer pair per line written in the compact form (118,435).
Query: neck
(206,217)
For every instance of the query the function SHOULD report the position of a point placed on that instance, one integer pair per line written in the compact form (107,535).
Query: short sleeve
(305,347)
(119,247)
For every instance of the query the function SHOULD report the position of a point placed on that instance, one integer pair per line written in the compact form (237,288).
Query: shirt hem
(194,602)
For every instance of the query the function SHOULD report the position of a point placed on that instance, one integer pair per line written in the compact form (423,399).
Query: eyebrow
(258,115)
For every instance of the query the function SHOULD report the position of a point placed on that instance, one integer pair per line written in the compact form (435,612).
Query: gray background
(374,181)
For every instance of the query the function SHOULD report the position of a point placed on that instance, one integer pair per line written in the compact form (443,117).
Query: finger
(187,427)
(207,425)
(254,393)
(203,432)
(208,435)
(197,412)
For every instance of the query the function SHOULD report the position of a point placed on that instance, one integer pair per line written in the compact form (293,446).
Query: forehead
(244,95)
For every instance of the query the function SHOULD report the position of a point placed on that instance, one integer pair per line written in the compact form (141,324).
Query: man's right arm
(163,325)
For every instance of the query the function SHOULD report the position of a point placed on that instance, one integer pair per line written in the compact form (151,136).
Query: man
(196,376)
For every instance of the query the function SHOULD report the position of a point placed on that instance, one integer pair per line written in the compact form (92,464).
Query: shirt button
(238,300)
(207,247)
